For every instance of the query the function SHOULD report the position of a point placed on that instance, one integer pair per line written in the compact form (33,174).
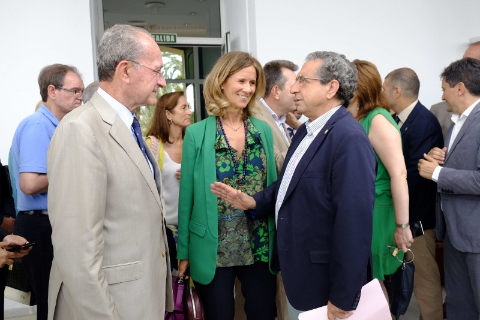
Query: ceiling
(187,18)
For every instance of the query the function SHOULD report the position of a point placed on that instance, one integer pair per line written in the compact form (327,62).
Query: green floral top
(241,241)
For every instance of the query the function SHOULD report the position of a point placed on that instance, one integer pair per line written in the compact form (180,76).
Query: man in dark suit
(323,199)
(420,133)
(458,201)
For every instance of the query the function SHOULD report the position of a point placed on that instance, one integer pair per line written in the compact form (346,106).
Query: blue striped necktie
(138,135)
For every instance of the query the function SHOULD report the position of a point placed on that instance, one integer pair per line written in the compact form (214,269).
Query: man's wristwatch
(403,225)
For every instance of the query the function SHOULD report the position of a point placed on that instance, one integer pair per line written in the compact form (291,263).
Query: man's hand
(234,197)
(427,166)
(292,120)
(7,257)
(333,312)
(7,224)
(438,154)
(14,240)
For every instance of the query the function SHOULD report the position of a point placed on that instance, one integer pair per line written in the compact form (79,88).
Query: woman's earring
(169,121)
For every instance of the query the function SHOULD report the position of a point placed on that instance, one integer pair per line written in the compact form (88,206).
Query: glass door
(185,70)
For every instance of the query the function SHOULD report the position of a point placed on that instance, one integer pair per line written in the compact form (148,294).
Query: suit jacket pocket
(320,256)
(197,228)
(123,272)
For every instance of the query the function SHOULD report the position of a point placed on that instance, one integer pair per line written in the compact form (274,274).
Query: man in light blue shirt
(61,89)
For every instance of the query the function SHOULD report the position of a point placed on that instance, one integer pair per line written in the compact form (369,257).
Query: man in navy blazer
(420,132)
(323,199)
(458,200)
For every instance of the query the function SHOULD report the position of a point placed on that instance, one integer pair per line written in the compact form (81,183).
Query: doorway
(185,69)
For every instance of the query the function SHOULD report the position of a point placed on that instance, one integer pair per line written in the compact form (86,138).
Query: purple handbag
(178,287)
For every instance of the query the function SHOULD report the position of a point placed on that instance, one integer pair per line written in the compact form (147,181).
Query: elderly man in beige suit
(110,248)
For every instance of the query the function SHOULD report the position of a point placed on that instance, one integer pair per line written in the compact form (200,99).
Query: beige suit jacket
(280,145)
(110,247)
(443,116)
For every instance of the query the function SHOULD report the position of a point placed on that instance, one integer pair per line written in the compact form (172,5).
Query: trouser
(258,288)
(427,287)
(38,261)
(280,300)
(462,282)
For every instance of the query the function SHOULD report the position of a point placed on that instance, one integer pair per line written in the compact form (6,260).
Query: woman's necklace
(235,130)
(236,165)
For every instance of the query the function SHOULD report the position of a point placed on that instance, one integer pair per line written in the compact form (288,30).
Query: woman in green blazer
(218,241)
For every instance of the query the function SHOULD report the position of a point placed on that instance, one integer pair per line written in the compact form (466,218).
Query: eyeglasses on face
(158,72)
(75,91)
(303,80)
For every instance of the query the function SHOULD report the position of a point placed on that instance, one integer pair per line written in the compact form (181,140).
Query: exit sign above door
(165,37)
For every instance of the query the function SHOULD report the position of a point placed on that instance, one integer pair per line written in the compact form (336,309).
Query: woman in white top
(165,140)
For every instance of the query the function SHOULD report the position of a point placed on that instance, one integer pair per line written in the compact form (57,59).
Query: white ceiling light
(154,6)
(136,23)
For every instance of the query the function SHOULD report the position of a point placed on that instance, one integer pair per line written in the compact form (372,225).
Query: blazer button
(164,253)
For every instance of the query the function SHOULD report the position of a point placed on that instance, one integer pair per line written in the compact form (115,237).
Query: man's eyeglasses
(74,90)
(302,79)
(159,73)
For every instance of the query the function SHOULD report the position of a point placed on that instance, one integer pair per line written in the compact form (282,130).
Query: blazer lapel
(312,149)
(120,133)
(206,144)
(470,119)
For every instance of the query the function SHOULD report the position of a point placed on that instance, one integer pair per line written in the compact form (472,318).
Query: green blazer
(197,205)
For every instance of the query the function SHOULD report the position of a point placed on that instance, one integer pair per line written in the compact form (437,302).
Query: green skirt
(383,230)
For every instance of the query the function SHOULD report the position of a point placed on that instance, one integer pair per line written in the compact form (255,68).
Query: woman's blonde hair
(227,65)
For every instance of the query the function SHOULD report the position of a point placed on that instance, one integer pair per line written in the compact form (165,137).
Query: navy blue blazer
(324,226)
(420,133)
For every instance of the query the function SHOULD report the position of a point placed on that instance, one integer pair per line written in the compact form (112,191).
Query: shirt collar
(48,114)
(406,112)
(274,115)
(313,127)
(466,113)
(122,111)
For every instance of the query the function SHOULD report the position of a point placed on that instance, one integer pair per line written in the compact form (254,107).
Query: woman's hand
(177,174)
(182,267)
(403,238)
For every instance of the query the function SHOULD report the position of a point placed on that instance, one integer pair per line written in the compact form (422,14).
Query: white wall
(33,34)
(424,35)
(240,20)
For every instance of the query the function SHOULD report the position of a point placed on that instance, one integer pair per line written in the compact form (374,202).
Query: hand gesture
(427,166)
(234,197)
(438,154)
(292,121)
